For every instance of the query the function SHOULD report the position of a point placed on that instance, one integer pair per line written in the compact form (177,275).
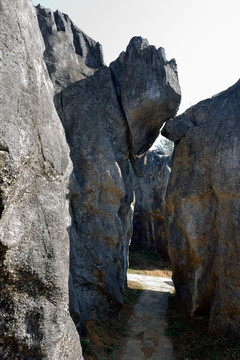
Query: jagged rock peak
(138,42)
(70,54)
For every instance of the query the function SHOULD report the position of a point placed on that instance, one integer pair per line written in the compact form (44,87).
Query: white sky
(202,35)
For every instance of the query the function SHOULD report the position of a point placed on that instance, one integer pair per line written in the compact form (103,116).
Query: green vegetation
(131,294)
(192,340)
(85,344)
(104,338)
(109,349)
(144,261)
(177,327)
(165,145)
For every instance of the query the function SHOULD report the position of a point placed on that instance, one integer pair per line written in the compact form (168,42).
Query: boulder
(149,93)
(204,206)
(149,221)
(70,54)
(34,170)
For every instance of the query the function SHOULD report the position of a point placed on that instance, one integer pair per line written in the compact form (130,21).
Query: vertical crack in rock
(149,221)
(1,201)
(3,151)
(128,130)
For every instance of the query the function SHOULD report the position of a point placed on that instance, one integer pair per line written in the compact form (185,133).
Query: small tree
(163,144)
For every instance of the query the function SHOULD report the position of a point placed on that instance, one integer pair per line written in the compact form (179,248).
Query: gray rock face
(149,221)
(204,205)
(70,54)
(100,194)
(34,171)
(149,92)
(99,136)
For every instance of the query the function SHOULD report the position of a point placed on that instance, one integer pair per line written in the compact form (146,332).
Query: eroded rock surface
(34,171)
(149,92)
(100,138)
(100,195)
(149,221)
(70,54)
(204,204)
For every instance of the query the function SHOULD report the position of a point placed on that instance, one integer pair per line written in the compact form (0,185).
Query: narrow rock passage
(147,325)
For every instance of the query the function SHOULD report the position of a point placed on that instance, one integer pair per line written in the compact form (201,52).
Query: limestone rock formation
(204,205)
(99,135)
(149,93)
(34,171)
(149,225)
(70,54)
(100,194)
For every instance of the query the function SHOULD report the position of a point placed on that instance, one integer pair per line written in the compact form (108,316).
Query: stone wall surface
(96,114)
(204,206)
(34,170)
(149,221)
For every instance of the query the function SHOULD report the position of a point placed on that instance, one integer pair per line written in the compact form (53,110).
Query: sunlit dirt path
(147,325)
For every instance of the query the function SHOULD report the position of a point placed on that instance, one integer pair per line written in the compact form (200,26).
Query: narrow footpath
(147,325)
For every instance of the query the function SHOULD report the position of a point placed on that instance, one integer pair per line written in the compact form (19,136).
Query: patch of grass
(85,344)
(177,327)
(131,293)
(109,349)
(106,337)
(146,262)
(191,339)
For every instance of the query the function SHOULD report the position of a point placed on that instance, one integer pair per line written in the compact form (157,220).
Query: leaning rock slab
(149,221)
(149,92)
(34,167)
(204,204)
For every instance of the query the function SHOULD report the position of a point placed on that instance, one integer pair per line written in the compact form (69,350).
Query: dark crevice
(59,21)
(4,148)
(76,40)
(61,99)
(129,134)
(1,204)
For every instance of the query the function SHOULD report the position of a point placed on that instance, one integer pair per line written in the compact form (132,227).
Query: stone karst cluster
(74,136)
(149,219)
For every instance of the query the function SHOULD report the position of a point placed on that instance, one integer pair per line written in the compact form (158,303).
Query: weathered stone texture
(204,204)
(149,92)
(99,136)
(34,171)
(70,54)
(100,194)
(149,221)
